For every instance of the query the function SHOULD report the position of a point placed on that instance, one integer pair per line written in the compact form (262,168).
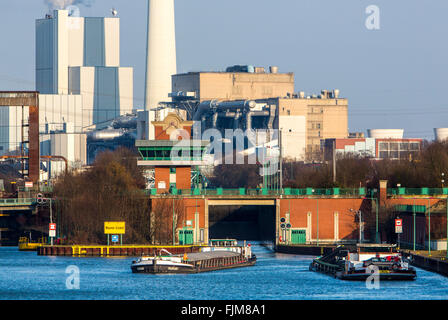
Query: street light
(174,229)
(414,221)
(317,207)
(429,226)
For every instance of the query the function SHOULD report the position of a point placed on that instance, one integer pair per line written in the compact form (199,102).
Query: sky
(394,76)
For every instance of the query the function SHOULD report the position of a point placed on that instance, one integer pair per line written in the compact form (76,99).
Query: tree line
(112,190)
(352,171)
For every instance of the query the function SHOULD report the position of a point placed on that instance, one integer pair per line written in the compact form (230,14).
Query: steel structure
(31,100)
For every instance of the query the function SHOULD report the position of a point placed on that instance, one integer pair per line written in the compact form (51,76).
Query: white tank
(386,133)
(441,134)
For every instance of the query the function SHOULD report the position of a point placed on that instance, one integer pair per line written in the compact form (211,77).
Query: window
(172,170)
(383,146)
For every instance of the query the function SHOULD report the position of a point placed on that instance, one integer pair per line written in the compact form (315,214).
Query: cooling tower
(441,134)
(161,52)
(385,133)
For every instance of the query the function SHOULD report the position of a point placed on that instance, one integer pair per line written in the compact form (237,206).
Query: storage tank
(441,134)
(273,69)
(386,133)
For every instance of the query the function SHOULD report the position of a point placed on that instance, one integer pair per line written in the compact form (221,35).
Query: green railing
(417,191)
(264,192)
(17,202)
(410,208)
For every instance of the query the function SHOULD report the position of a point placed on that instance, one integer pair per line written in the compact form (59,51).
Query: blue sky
(395,77)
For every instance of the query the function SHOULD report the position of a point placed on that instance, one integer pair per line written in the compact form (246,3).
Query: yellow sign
(114,227)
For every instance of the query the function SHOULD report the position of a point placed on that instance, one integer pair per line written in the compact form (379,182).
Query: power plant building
(234,85)
(81,56)
(380,144)
(81,83)
(303,120)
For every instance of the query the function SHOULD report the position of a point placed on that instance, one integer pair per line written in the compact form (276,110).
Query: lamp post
(317,207)
(174,235)
(413,209)
(429,227)
(360,225)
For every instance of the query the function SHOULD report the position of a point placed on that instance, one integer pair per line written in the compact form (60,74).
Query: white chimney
(160,57)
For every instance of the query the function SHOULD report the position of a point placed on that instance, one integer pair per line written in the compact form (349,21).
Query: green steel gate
(298,236)
(185,236)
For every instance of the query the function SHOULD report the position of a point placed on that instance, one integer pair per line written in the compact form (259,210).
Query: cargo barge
(348,263)
(208,259)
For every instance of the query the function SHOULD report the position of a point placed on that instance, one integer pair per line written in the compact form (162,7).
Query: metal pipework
(106,134)
(215,106)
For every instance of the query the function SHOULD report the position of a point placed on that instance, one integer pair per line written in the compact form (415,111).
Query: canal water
(26,276)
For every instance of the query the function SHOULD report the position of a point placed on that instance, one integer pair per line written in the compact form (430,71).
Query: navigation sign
(398,225)
(114,227)
(115,238)
(52,230)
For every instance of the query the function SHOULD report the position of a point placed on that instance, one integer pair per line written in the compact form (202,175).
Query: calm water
(24,275)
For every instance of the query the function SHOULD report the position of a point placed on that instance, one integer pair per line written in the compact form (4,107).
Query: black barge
(360,262)
(208,259)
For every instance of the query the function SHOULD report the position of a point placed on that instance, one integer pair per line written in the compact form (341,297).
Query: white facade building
(81,84)
(81,56)
(441,134)
(293,131)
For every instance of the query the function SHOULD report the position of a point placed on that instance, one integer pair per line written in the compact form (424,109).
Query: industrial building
(81,84)
(380,144)
(247,97)
(234,85)
(81,56)
(441,134)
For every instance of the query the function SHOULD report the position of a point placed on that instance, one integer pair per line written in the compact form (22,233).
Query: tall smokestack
(161,52)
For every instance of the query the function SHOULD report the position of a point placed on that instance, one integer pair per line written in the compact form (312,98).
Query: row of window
(399,146)
(166,153)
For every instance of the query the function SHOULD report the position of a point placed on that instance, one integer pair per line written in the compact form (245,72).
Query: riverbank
(437,262)
(111,251)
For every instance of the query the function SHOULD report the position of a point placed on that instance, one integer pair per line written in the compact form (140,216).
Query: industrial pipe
(42,157)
